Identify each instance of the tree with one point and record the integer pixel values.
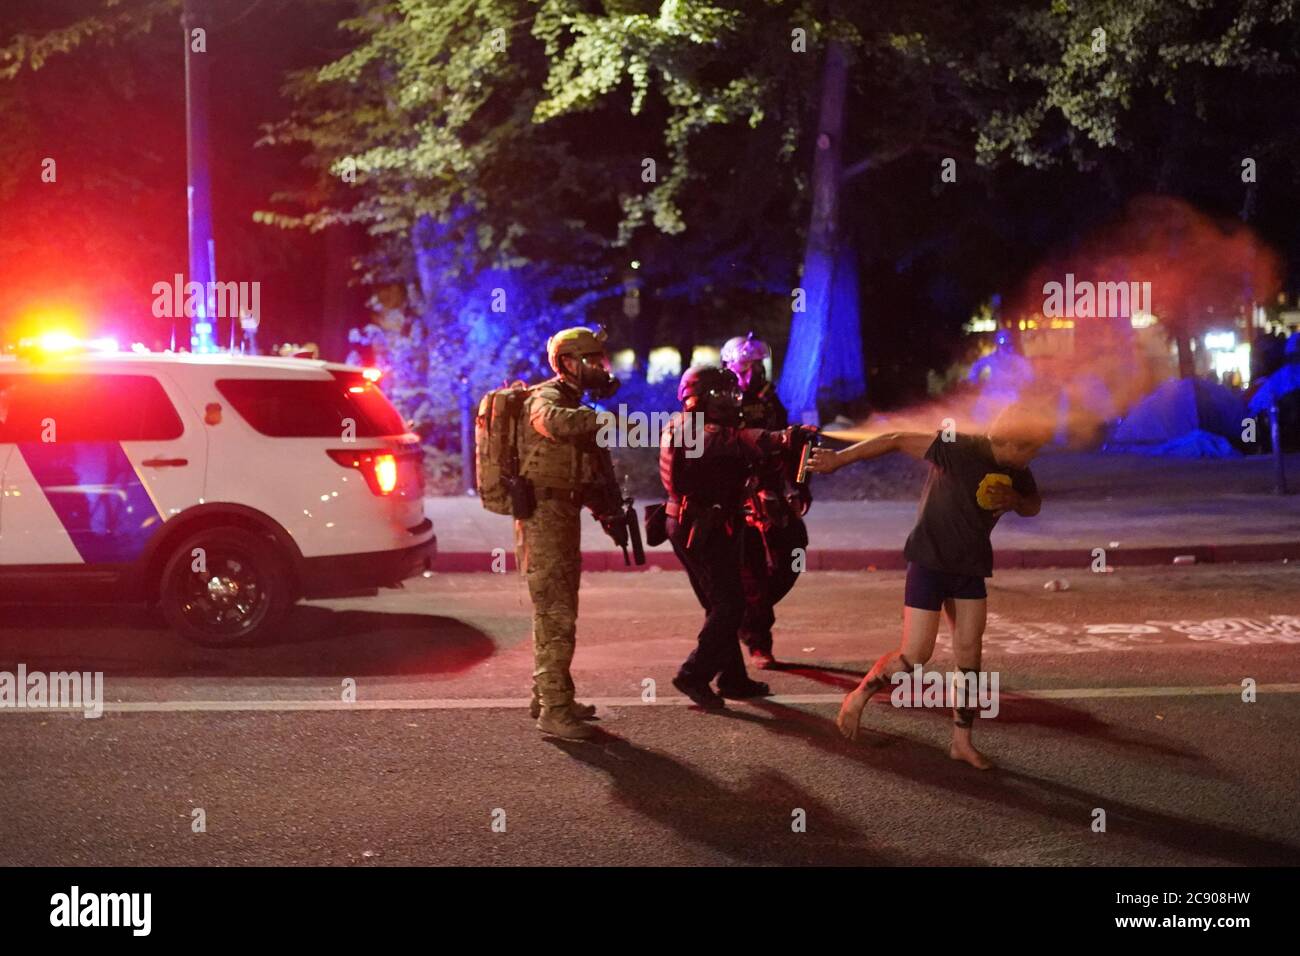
(421, 133)
(688, 135)
(1194, 97)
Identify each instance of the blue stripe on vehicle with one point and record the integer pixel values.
(97, 495)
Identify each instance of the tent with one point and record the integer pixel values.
(1186, 418)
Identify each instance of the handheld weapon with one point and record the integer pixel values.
(622, 524)
(808, 440)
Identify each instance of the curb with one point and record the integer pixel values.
(857, 559)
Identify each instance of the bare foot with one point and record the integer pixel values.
(850, 714)
(965, 750)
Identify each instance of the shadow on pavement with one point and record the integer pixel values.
(842, 678)
(1017, 710)
(1042, 712)
(1005, 788)
(750, 823)
(312, 642)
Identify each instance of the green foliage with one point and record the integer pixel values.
(115, 20)
(500, 143)
(430, 113)
(1089, 74)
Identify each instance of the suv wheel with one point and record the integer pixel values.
(224, 587)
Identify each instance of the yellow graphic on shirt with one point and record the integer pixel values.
(991, 481)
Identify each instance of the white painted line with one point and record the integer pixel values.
(506, 703)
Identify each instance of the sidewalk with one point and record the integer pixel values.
(855, 535)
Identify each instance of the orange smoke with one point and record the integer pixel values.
(1204, 273)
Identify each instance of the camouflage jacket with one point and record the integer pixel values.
(557, 443)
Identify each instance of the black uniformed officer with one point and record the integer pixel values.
(775, 529)
(706, 501)
(760, 407)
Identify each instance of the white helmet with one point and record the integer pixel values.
(745, 349)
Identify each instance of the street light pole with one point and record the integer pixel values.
(1279, 460)
(466, 436)
(199, 184)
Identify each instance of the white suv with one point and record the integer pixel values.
(221, 487)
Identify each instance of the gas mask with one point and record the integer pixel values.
(751, 374)
(721, 406)
(594, 376)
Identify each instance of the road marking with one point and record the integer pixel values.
(505, 703)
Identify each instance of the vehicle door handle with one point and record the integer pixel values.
(165, 462)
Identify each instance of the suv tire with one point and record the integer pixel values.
(241, 590)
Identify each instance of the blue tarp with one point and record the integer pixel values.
(1182, 418)
(1195, 444)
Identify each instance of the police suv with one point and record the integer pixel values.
(222, 488)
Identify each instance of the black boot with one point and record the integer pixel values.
(701, 695)
(743, 689)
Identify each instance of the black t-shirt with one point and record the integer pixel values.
(952, 528)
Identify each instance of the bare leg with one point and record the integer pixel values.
(969, 618)
(920, 628)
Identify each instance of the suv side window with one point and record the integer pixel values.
(86, 408)
(311, 408)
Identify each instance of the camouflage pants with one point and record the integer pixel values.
(548, 548)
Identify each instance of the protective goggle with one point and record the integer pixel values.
(734, 394)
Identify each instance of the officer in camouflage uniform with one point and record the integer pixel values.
(775, 527)
(558, 455)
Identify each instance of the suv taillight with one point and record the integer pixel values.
(379, 468)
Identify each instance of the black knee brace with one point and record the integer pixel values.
(965, 716)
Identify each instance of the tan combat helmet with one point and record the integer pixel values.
(578, 340)
(594, 375)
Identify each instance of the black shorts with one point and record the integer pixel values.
(926, 590)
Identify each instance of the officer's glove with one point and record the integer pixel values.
(796, 435)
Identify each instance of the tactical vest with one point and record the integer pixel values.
(762, 409)
(559, 465)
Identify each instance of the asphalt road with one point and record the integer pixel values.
(1121, 694)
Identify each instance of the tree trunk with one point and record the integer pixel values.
(842, 378)
(339, 311)
(1186, 361)
(812, 332)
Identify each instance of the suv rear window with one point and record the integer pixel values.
(311, 408)
(86, 408)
